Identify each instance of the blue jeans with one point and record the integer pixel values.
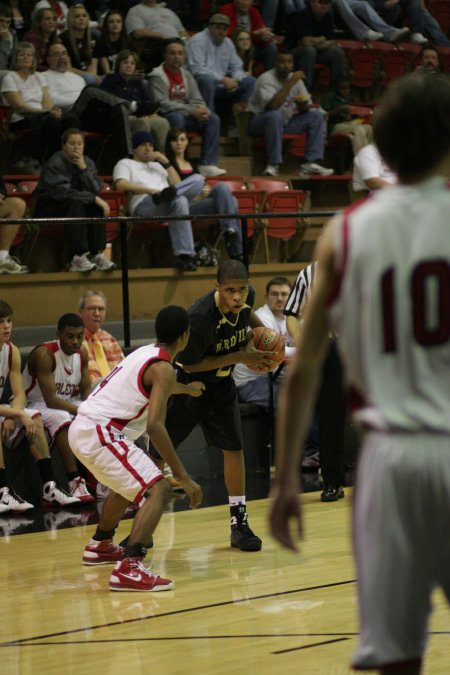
(210, 89)
(220, 200)
(180, 231)
(421, 21)
(270, 125)
(306, 57)
(209, 130)
(359, 16)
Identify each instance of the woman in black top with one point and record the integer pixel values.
(214, 200)
(112, 40)
(127, 83)
(77, 40)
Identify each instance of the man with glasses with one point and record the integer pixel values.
(254, 387)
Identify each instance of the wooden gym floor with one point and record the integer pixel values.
(229, 613)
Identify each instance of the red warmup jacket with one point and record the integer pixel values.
(256, 21)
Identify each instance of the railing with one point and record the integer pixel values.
(123, 221)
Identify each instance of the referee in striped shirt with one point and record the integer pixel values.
(331, 402)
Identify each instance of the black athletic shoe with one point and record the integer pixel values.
(166, 195)
(184, 263)
(243, 537)
(331, 493)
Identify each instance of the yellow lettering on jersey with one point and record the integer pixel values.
(224, 372)
(226, 344)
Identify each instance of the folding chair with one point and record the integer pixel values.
(284, 229)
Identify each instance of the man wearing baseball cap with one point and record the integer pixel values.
(157, 190)
(213, 61)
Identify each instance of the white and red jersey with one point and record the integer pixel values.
(392, 309)
(120, 401)
(66, 372)
(6, 353)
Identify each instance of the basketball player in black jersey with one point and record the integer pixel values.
(218, 340)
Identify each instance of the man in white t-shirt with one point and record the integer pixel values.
(157, 190)
(281, 104)
(253, 387)
(91, 108)
(370, 171)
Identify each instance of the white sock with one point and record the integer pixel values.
(3, 255)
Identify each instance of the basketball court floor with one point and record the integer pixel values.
(230, 612)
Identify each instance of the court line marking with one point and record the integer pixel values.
(224, 603)
(314, 644)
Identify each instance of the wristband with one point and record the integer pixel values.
(166, 166)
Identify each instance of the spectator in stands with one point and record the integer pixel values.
(312, 40)
(78, 42)
(68, 187)
(21, 17)
(213, 200)
(157, 190)
(429, 62)
(87, 107)
(175, 91)
(59, 7)
(17, 421)
(243, 15)
(42, 35)
(113, 39)
(7, 39)
(421, 22)
(191, 18)
(10, 207)
(26, 92)
(219, 72)
(242, 41)
(103, 350)
(370, 172)
(281, 104)
(126, 83)
(56, 380)
(366, 24)
(338, 105)
(252, 386)
(152, 24)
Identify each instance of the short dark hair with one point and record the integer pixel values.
(231, 269)
(172, 41)
(412, 124)
(277, 281)
(428, 47)
(123, 56)
(71, 132)
(5, 310)
(70, 320)
(170, 324)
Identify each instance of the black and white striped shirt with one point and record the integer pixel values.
(301, 290)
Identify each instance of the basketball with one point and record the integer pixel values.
(268, 340)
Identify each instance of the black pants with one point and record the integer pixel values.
(332, 407)
(100, 111)
(81, 238)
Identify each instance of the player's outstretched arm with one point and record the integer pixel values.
(194, 389)
(159, 379)
(297, 399)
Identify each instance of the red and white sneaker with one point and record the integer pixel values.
(102, 552)
(52, 495)
(130, 575)
(78, 488)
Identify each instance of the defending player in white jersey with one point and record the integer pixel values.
(383, 284)
(130, 400)
(56, 379)
(16, 419)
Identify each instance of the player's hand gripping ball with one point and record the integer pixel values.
(268, 340)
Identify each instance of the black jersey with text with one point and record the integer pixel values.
(214, 334)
